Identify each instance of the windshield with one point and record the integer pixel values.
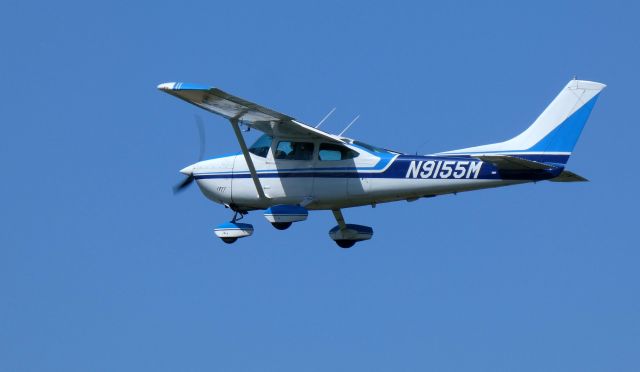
(261, 146)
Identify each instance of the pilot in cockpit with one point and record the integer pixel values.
(301, 151)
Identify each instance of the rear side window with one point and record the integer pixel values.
(288, 150)
(330, 152)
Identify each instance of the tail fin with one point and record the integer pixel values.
(556, 130)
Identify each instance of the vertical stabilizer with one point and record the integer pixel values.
(557, 129)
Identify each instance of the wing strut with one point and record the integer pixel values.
(247, 158)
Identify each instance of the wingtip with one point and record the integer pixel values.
(183, 86)
(166, 86)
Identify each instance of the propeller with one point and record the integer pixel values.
(189, 179)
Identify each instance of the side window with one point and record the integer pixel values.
(288, 150)
(261, 146)
(330, 151)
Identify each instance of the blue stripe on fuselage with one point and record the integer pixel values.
(400, 168)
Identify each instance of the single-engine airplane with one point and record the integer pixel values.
(294, 167)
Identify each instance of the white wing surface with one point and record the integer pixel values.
(231, 107)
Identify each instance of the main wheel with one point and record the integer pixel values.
(345, 243)
(229, 240)
(282, 225)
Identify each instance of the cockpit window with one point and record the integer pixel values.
(330, 151)
(261, 146)
(288, 150)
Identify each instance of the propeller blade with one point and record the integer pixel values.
(182, 185)
(187, 181)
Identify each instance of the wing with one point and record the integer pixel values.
(231, 107)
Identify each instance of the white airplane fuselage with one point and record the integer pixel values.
(372, 177)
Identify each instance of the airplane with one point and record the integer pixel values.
(295, 167)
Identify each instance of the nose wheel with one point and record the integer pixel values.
(230, 232)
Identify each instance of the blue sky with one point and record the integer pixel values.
(103, 269)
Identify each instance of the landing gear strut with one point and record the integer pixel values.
(237, 212)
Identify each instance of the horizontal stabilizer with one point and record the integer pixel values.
(512, 163)
(567, 176)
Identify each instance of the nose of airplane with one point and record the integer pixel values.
(188, 170)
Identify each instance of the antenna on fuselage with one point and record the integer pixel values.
(348, 126)
(325, 118)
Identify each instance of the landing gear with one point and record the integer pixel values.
(282, 216)
(282, 225)
(346, 235)
(345, 243)
(231, 231)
